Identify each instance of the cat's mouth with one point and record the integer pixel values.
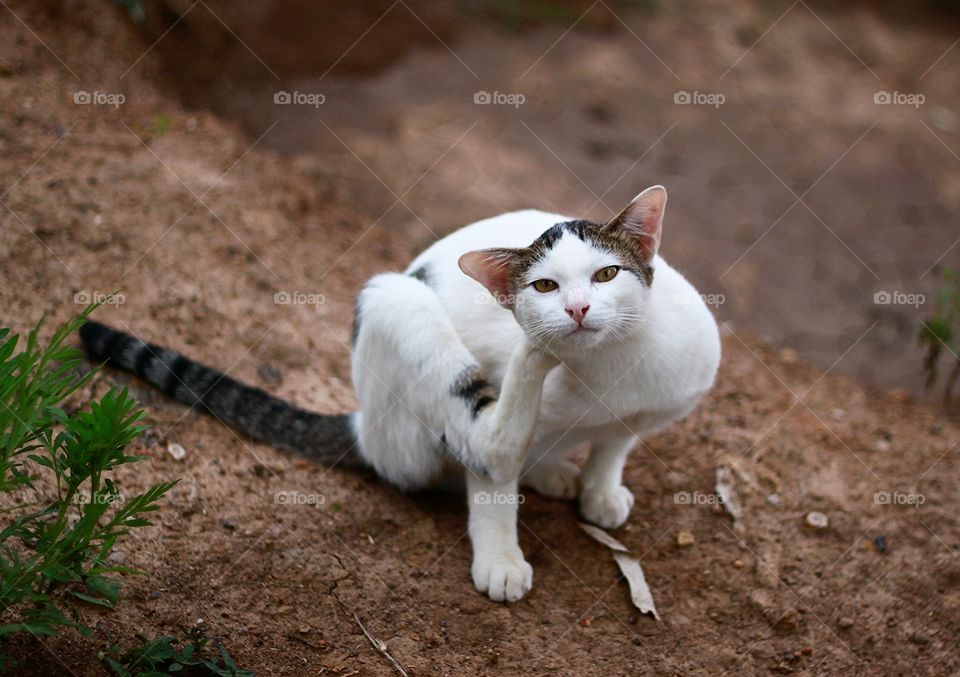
(582, 329)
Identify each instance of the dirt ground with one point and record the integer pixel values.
(199, 224)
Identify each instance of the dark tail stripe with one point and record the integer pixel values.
(249, 410)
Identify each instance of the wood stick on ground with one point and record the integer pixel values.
(380, 646)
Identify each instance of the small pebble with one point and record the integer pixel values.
(685, 539)
(775, 500)
(228, 523)
(738, 563)
(817, 520)
(880, 544)
(304, 629)
(176, 451)
(788, 355)
(918, 639)
(118, 556)
(845, 623)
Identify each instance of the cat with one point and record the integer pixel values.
(502, 348)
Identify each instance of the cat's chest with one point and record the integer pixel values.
(597, 394)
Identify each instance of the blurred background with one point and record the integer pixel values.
(226, 174)
(810, 150)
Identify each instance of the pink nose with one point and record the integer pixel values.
(577, 312)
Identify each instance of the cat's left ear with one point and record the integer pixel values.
(641, 221)
(493, 268)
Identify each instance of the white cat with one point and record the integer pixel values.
(504, 346)
(510, 342)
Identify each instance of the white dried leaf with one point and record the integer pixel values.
(602, 536)
(728, 496)
(630, 568)
(639, 590)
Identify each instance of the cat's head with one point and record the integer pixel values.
(579, 283)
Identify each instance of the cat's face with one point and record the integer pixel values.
(579, 293)
(580, 283)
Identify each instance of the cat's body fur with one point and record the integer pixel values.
(643, 382)
(505, 386)
(640, 383)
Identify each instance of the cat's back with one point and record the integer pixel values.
(487, 329)
(511, 229)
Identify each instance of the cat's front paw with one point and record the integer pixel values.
(606, 508)
(554, 479)
(502, 577)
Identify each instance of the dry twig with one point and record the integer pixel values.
(380, 646)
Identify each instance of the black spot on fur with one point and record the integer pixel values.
(423, 274)
(546, 241)
(472, 387)
(580, 228)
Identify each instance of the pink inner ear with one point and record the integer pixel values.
(642, 220)
(492, 269)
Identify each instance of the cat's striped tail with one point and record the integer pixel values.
(326, 438)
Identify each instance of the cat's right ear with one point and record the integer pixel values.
(493, 268)
(642, 221)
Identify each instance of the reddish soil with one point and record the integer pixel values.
(198, 226)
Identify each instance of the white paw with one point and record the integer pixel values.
(502, 577)
(606, 508)
(556, 479)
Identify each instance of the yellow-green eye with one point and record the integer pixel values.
(606, 274)
(543, 286)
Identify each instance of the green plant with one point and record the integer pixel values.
(54, 550)
(940, 333)
(163, 657)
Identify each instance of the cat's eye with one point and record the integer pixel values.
(606, 274)
(543, 286)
